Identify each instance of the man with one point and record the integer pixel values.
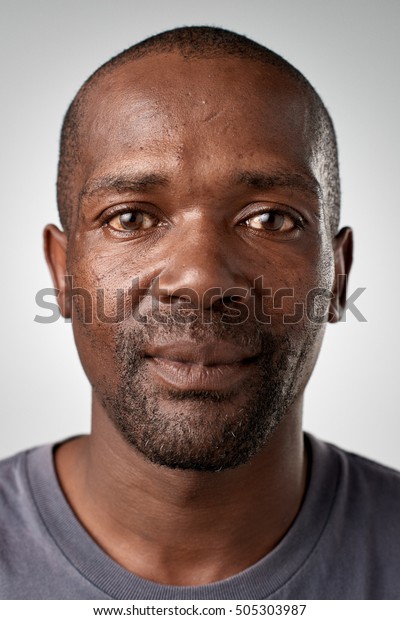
(200, 260)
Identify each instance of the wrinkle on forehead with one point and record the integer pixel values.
(168, 79)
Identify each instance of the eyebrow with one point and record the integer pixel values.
(258, 180)
(123, 183)
(280, 179)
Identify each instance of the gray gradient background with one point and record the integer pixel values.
(349, 50)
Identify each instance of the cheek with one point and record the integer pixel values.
(316, 285)
(108, 279)
(300, 289)
(98, 293)
(95, 345)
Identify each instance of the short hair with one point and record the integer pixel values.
(202, 42)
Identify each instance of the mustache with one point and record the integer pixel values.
(163, 328)
(185, 312)
(133, 340)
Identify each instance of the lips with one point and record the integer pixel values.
(216, 366)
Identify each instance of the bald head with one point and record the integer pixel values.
(193, 43)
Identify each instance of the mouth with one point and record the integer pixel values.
(189, 366)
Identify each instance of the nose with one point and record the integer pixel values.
(203, 268)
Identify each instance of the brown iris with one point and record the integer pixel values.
(133, 220)
(271, 221)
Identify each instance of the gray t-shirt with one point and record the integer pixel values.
(344, 543)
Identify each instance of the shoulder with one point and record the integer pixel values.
(13, 470)
(365, 473)
(24, 540)
(19, 517)
(352, 464)
(16, 499)
(349, 525)
(13, 479)
(367, 493)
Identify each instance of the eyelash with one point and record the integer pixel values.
(298, 220)
(120, 210)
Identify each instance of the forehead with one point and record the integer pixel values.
(170, 111)
(185, 88)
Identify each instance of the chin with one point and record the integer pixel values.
(198, 431)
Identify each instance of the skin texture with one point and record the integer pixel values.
(195, 467)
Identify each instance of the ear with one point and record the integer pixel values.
(55, 249)
(343, 253)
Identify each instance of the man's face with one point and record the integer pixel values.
(197, 200)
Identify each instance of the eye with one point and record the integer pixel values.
(272, 221)
(133, 220)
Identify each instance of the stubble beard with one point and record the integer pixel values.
(202, 430)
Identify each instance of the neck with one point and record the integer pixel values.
(183, 527)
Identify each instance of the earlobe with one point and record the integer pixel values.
(343, 253)
(55, 249)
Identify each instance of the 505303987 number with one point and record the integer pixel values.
(270, 610)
